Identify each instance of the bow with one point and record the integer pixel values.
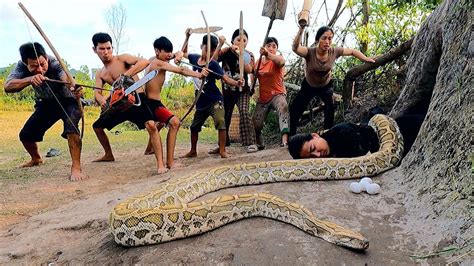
(63, 66)
(203, 80)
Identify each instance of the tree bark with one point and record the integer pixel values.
(440, 78)
(336, 14)
(366, 67)
(365, 20)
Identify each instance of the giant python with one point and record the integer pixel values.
(170, 212)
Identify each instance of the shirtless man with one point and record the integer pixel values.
(114, 66)
(163, 53)
(54, 101)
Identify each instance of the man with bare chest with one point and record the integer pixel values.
(160, 114)
(114, 66)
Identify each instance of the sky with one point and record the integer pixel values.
(70, 24)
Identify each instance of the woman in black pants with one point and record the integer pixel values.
(319, 63)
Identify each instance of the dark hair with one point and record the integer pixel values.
(270, 40)
(237, 33)
(163, 43)
(213, 42)
(321, 31)
(31, 51)
(296, 142)
(101, 37)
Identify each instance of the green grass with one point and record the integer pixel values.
(122, 137)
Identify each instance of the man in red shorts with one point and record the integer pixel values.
(164, 52)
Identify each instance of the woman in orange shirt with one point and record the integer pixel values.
(272, 91)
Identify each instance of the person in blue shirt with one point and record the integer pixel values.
(210, 102)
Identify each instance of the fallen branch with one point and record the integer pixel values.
(357, 71)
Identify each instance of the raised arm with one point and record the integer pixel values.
(297, 48)
(184, 48)
(138, 64)
(357, 54)
(277, 59)
(217, 52)
(159, 64)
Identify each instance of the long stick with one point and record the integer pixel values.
(260, 58)
(76, 85)
(241, 47)
(203, 80)
(56, 54)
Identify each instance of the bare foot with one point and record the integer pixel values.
(33, 162)
(77, 175)
(224, 155)
(176, 165)
(105, 158)
(161, 171)
(190, 154)
(149, 151)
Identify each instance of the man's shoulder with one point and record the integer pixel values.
(54, 65)
(155, 62)
(19, 71)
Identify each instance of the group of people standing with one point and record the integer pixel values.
(56, 101)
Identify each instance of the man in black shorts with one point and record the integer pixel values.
(114, 67)
(54, 101)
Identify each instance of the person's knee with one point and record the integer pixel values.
(25, 136)
(76, 138)
(220, 124)
(150, 126)
(174, 123)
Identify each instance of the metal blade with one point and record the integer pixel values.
(204, 29)
(274, 9)
(141, 82)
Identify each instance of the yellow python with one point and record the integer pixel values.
(169, 213)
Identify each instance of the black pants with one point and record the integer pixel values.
(46, 114)
(302, 99)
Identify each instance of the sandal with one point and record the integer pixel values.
(252, 148)
(53, 152)
(214, 150)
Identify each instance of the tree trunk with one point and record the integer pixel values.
(438, 168)
(336, 15)
(365, 20)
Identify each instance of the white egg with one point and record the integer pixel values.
(372, 188)
(367, 179)
(363, 184)
(355, 187)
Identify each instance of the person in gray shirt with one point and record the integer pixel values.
(54, 101)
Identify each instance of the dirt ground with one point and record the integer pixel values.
(52, 220)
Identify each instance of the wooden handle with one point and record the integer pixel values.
(303, 16)
(241, 47)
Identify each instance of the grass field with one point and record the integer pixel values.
(122, 137)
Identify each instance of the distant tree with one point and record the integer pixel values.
(116, 17)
